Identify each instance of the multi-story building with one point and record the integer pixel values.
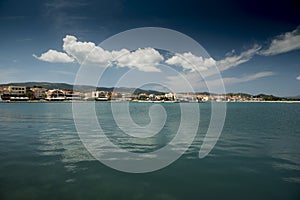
(17, 90)
(14, 93)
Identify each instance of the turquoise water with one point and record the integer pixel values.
(256, 157)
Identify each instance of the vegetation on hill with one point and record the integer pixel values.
(86, 88)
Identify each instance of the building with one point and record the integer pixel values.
(14, 93)
(100, 95)
(17, 90)
(3, 89)
(39, 93)
(143, 97)
(56, 95)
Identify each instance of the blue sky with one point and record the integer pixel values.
(255, 44)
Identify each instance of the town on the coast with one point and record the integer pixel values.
(17, 93)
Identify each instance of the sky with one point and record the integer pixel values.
(250, 46)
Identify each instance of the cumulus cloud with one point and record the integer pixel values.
(298, 78)
(86, 52)
(55, 56)
(143, 59)
(284, 43)
(146, 59)
(189, 61)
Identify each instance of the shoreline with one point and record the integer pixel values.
(83, 101)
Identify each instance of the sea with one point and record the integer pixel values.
(257, 155)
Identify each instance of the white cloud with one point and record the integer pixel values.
(208, 66)
(284, 43)
(86, 52)
(143, 59)
(68, 73)
(146, 59)
(184, 82)
(213, 84)
(298, 78)
(251, 77)
(189, 61)
(55, 56)
(235, 60)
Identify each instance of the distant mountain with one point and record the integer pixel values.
(294, 97)
(85, 88)
(81, 88)
(47, 85)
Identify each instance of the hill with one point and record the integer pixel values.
(294, 97)
(82, 88)
(86, 88)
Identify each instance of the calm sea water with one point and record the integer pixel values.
(256, 157)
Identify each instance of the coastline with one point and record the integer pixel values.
(82, 101)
